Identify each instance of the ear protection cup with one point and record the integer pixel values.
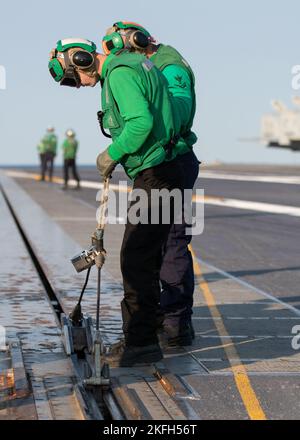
(56, 69)
(112, 43)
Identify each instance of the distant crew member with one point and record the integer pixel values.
(70, 148)
(41, 151)
(49, 142)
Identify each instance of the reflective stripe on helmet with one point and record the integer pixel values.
(68, 43)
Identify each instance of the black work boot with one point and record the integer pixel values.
(177, 336)
(122, 355)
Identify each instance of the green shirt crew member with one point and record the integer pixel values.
(137, 110)
(70, 145)
(70, 148)
(177, 71)
(181, 83)
(50, 143)
(48, 148)
(177, 273)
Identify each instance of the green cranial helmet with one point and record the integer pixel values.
(131, 25)
(138, 37)
(69, 43)
(82, 59)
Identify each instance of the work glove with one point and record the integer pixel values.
(105, 164)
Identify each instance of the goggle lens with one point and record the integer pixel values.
(83, 59)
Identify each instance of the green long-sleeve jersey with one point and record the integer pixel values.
(129, 92)
(50, 143)
(70, 148)
(181, 83)
(180, 86)
(137, 111)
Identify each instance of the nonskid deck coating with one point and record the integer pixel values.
(27, 316)
(207, 358)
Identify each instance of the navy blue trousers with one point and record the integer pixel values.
(141, 257)
(177, 273)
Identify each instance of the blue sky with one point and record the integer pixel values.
(242, 54)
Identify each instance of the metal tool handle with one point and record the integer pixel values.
(103, 206)
(98, 299)
(99, 234)
(99, 379)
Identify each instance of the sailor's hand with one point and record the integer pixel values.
(106, 164)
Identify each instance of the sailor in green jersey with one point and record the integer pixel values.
(177, 275)
(70, 148)
(49, 143)
(137, 110)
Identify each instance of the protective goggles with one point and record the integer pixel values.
(79, 59)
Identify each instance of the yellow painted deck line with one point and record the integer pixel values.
(241, 378)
